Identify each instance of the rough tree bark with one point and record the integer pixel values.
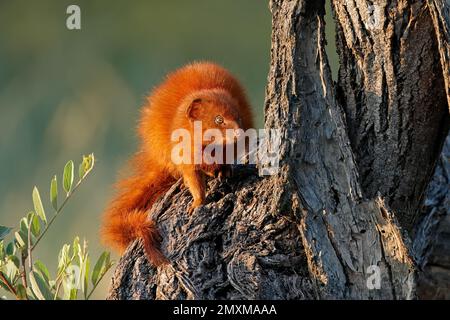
(393, 92)
(316, 228)
(394, 87)
(431, 243)
(440, 13)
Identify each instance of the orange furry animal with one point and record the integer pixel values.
(202, 92)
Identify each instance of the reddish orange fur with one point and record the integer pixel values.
(167, 109)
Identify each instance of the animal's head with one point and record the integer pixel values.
(215, 109)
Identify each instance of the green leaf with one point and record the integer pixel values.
(30, 294)
(21, 292)
(69, 292)
(39, 266)
(2, 251)
(63, 258)
(68, 176)
(10, 249)
(86, 165)
(40, 287)
(4, 287)
(38, 208)
(12, 271)
(100, 267)
(24, 225)
(73, 294)
(4, 231)
(71, 282)
(15, 260)
(54, 193)
(76, 248)
(21, 240)
(29, 217)
(85, 275)
(35, 225)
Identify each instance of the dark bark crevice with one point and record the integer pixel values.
(440, 14)
(432, 237)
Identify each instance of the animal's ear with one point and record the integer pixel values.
(193, 110)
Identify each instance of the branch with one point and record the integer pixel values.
(8, 285)
(231, 248)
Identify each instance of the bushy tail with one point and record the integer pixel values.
(120, 231)
(127, 219)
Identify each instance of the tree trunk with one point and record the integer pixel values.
(394, 95)
(324, 226)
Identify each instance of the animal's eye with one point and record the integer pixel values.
(218, 119)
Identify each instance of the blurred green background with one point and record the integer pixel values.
(66, 93)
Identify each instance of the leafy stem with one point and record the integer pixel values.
(69, 195)
(30, 257)
(25, 278)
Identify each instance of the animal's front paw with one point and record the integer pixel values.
(194, 206)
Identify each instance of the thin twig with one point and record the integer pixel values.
(98, 281)
(23, 273)
(58, 286)
(30, 259)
